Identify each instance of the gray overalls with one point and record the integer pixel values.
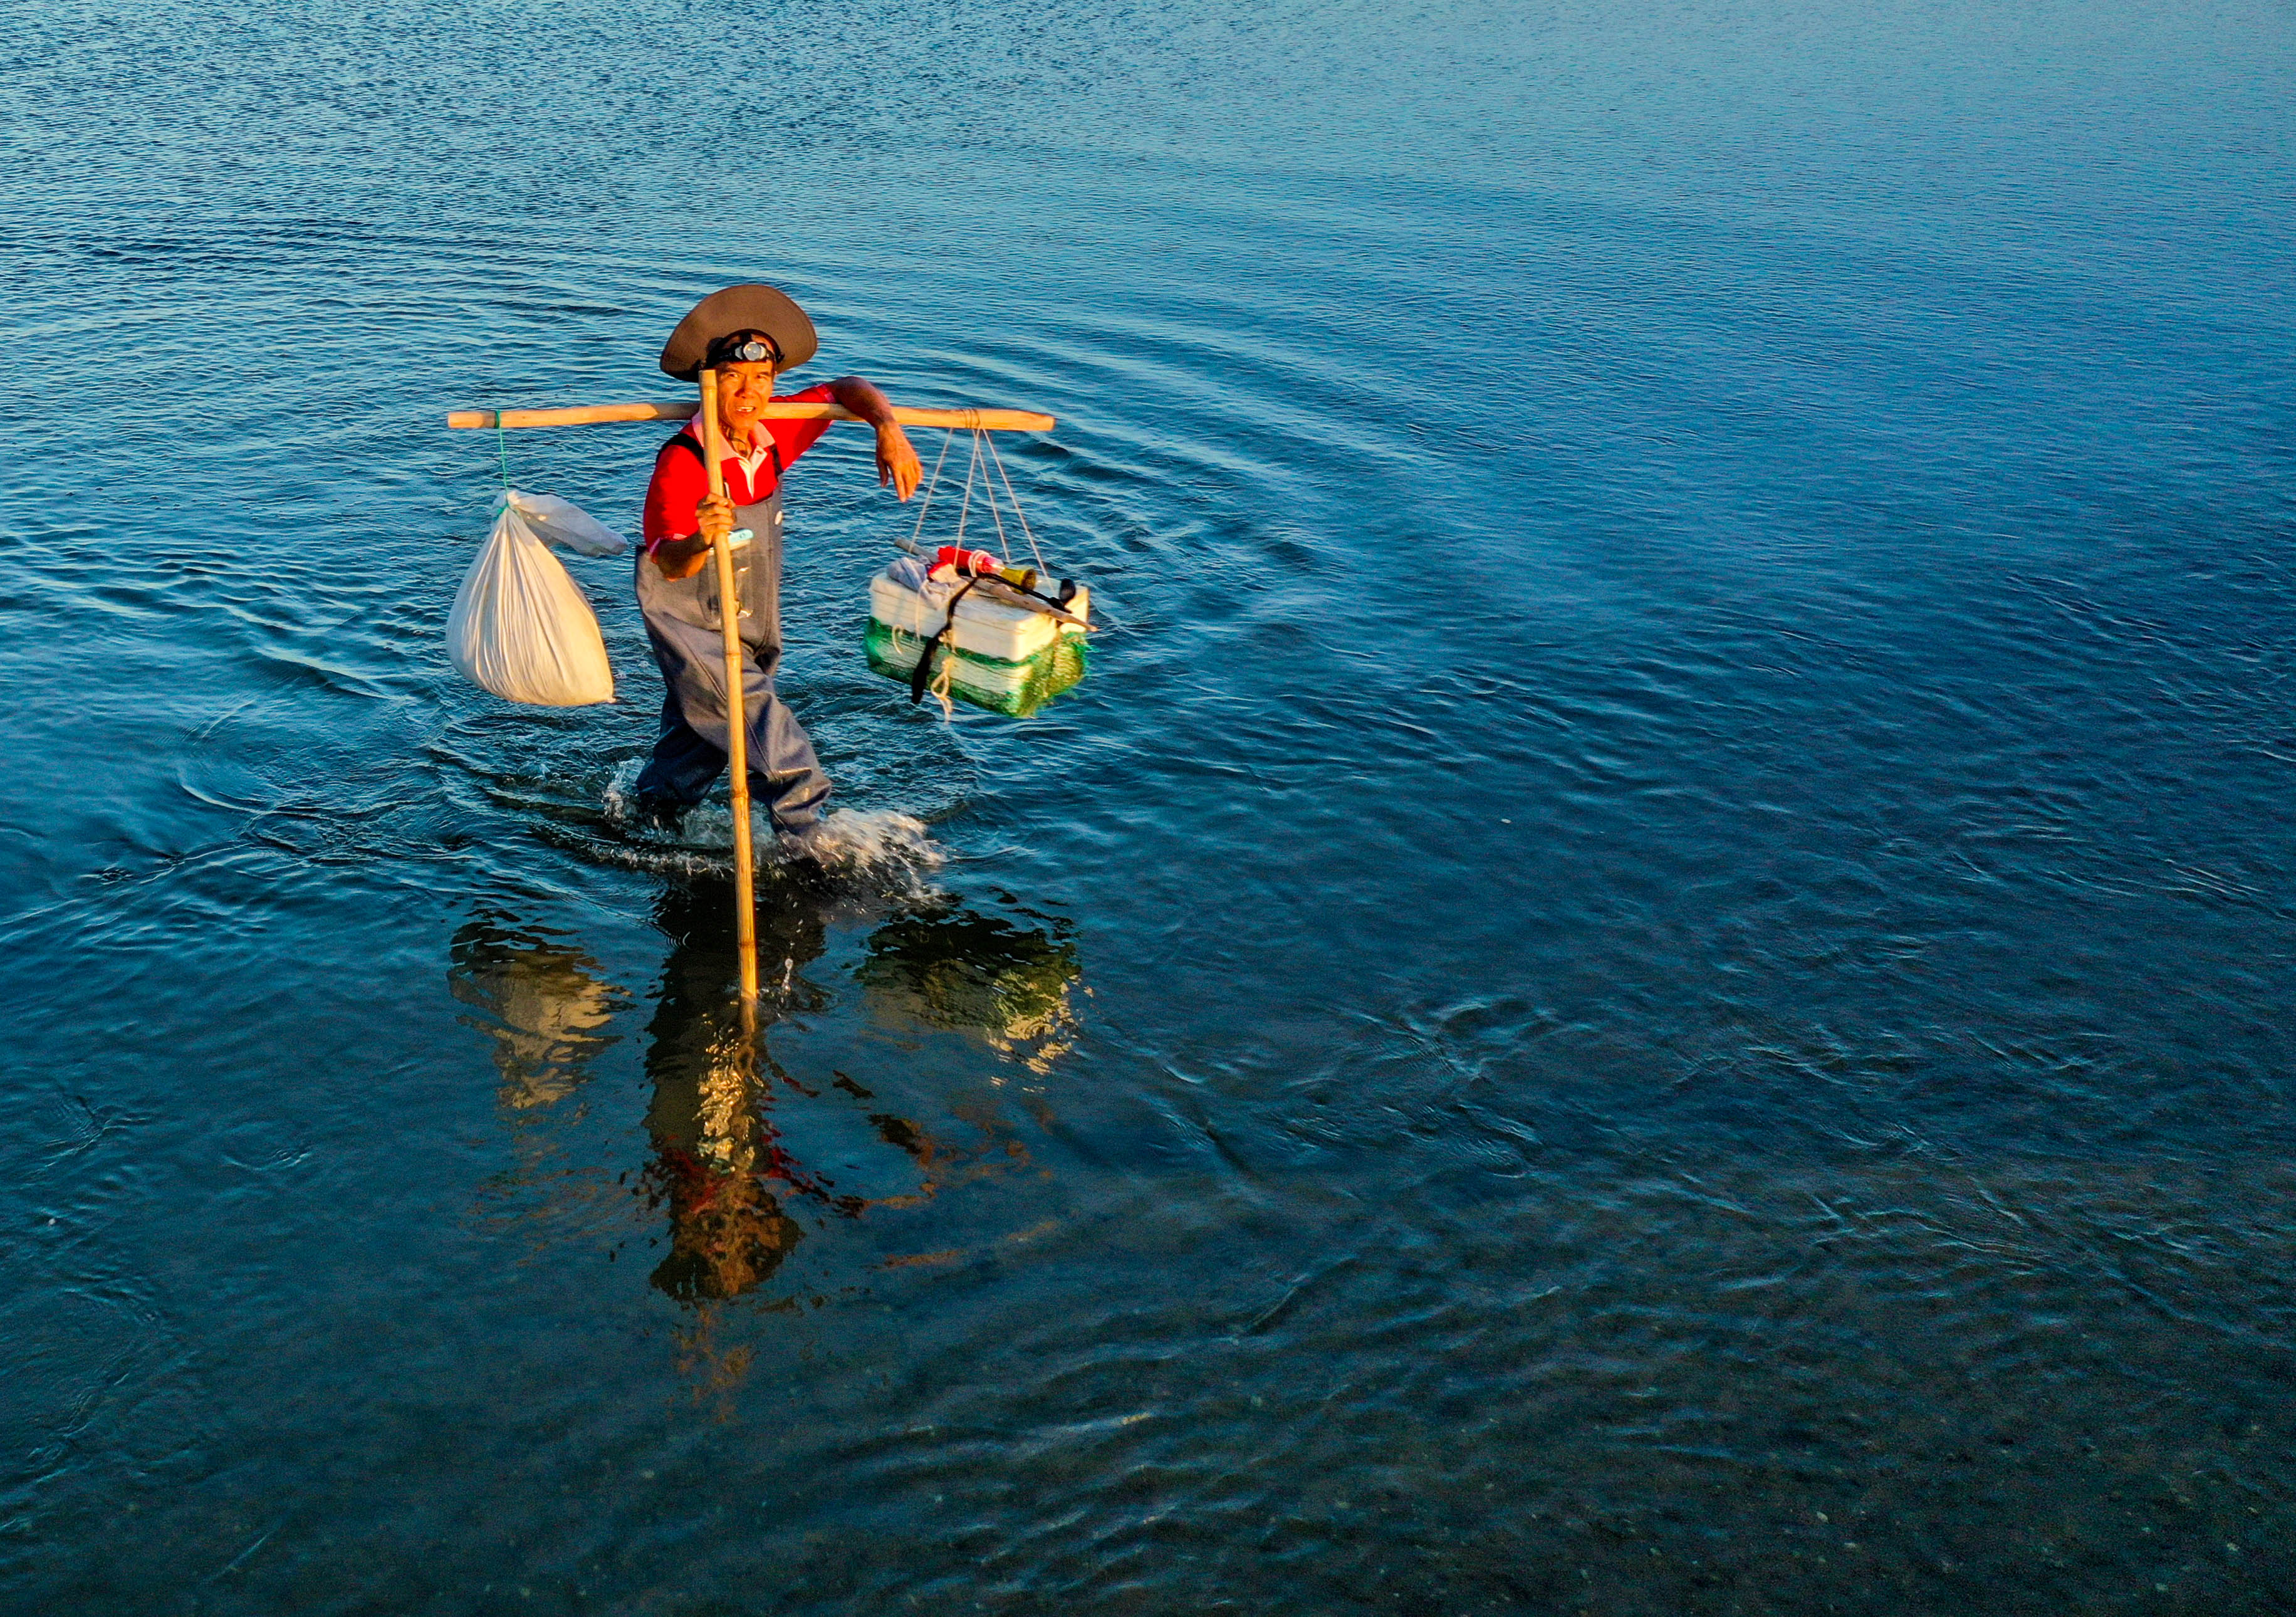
(683, 625)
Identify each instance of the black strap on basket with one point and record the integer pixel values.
(921, 675)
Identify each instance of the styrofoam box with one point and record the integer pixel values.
(984, 628)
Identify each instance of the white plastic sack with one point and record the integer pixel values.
(523, 628)
(565, 524)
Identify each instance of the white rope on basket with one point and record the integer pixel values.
(998, 461)
(964, 511)
(988, 469)
(1004, 549)
(941, 683)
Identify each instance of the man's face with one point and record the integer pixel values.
(744, 388)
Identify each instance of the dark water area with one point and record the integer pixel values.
(1651, 976)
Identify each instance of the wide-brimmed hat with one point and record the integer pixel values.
(740, 309)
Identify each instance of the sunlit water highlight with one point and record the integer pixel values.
(1650, 977)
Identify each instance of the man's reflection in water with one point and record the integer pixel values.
(717, 1162)
(714, 1149)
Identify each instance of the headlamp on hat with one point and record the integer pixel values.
(750, 347)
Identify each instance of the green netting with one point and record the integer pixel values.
(1015, 688)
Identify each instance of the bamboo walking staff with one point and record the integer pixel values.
(737, 724)
(583, 415)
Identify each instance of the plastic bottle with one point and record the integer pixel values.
(966, 560)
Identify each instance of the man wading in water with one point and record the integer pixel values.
(746, 335)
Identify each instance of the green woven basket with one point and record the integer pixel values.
(1015, 688)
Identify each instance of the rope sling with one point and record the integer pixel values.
(985, 466)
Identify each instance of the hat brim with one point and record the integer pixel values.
(739, 308)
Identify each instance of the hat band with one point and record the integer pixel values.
(748, 347)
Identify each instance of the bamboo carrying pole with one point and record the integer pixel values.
(583, 415)
(737, 728)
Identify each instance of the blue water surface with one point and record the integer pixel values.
(1650, 977)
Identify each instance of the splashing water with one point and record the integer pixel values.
(895, 848)
(880, 841)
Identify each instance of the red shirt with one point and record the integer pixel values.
(680, 484)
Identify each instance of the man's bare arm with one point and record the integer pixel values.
(682, 558)
(896, 461)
